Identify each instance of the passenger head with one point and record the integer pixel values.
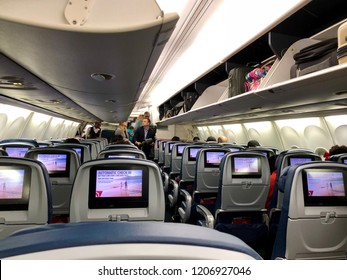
(147, 115)
(196, 139)
(252, 144)
(222, 139)
(123, 124)
(146, 122)
(335, 150)
(175, 138)
(71, 140)
(97, 124)
(211, 139)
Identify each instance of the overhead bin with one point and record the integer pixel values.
(100, 53)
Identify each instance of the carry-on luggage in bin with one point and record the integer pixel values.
(237, 80)
(315, 57)
(342, 43)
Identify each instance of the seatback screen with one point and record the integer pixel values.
(118, 186)
(246, 166)
(16, 151)
(192, 153)
(14, 187)
(213, 158)
(57, 164)
(325, 187)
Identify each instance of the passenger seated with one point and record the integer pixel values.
(222, 139)
(211, 139)
(335, 150)
(253, 144)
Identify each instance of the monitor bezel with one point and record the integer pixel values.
(16, 146)
(57, 173)
(190, 158)
(118, 202)
(236, 174)
(299, 156)
(171, 147)
(212, 165)
(17, 204)
(319, 201)
(177, 152)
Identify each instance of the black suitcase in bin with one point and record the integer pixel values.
(237, 80)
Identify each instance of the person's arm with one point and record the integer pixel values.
(137, 137)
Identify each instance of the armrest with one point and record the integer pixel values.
(185, 207)
(173, 175)
(208, 217)
(173, 193)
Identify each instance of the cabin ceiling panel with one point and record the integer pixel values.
(18, 84)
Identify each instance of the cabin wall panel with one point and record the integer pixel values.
(338, 129)
(235, 133)
(305, 132)
(265, 133)
(36, 126)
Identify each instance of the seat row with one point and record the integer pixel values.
(228, 190)
(115, 212)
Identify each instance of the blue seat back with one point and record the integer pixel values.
(126, 153)
(314, 212)
(25, 194)
(117, 189)
(62, 165)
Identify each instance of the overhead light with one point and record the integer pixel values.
(11, 82)
(101, 77)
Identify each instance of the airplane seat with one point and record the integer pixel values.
(81, 149)
(62, 165)
(44, 143)
(187, 176)
(125, 153)
(120, 146)
(240, 204)
(205, 184)
(16, 148)
(95, 142)
(314, 212)
(92, 147)
(167, 156)
(161, 150)
(124, 241)
(176, 159)
(286, 158)
(269, 153)
(233, 147)
(25, 195)
(341, 158)
(117, 189)
(156, 150)
(32, 142)
(3, 152)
